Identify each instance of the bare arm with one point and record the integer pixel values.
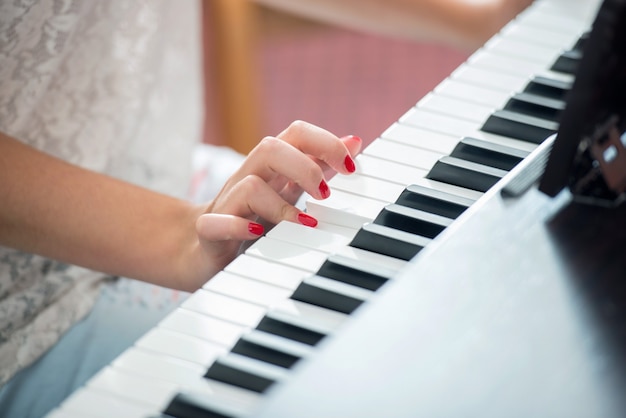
(61, 211)
(464, 23)
(67, 213)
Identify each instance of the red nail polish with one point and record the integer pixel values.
(307, 220)
(324, 190)
(256, 229)
(349, 163)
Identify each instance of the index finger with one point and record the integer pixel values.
(319, 144)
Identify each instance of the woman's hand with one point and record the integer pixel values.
(266, 186)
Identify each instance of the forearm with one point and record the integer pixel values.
(464, 23)
(58, 210)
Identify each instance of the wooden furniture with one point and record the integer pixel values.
(229, 30)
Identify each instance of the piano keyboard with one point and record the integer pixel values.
(242, 333)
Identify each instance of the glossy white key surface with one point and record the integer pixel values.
(315, 238)
(95, 404)
(310, 316)
(203, 326)
(367, 186)
(456, 107)
(345, 209)
(248, 290)
(403, 154)
(269, 272)
(224, 307)
(287, 253)
(401, 174)
(182, 346)
(421, 137)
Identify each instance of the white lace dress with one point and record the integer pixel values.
(113, 86)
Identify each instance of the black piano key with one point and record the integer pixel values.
(568, 62)
(488, 153)
(188, 405)
(290, 331)
(536, 106)
(388, 241)
(350, 271)
(330, 294)
(581, 42)
(268, 348)
(433, 201)
(518, 126)
(465, 174)
(548, 87)
(244, 372)
(412, 220)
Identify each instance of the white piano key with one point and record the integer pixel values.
(155, 393)
(557, 17)
(387, 265)
(367, 186)
(247, 290)
(93, 404)
(155, 365)
(336, 229)
(202, 326)
(182, 346)
(309, 316)
(388, 170)
(503, 140)
(491, 79)
(420, 137)
(438, 122)
(449, 188)
(525, 50)
(267, 271)
(508, 65)
(453, 126)
(58, 413)
(461, 109)
(278, 343)
(472, 93)
(288, 254)
(564, 15)
(315, 238)
(403, 154)
(539, 35)
(224, 307)
(345, 209)
(187, 376)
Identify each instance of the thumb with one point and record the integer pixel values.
(218, 227)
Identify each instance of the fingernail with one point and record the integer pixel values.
(307, 220)
(256, 229)
(349, 163)
(324, 190)
(352, 138)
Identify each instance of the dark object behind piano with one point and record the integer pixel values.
(589, 153)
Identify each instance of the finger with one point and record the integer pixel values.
(253, 197)
(279, 163)
(218, 227)
(320, 144)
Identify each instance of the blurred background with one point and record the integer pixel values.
(269, 68)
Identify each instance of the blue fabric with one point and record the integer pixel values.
(124, 311)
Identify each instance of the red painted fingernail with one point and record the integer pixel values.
(324, 190)
(349, 163)
(256, 229)
(307, 220)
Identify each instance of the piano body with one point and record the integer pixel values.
(425, 290)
